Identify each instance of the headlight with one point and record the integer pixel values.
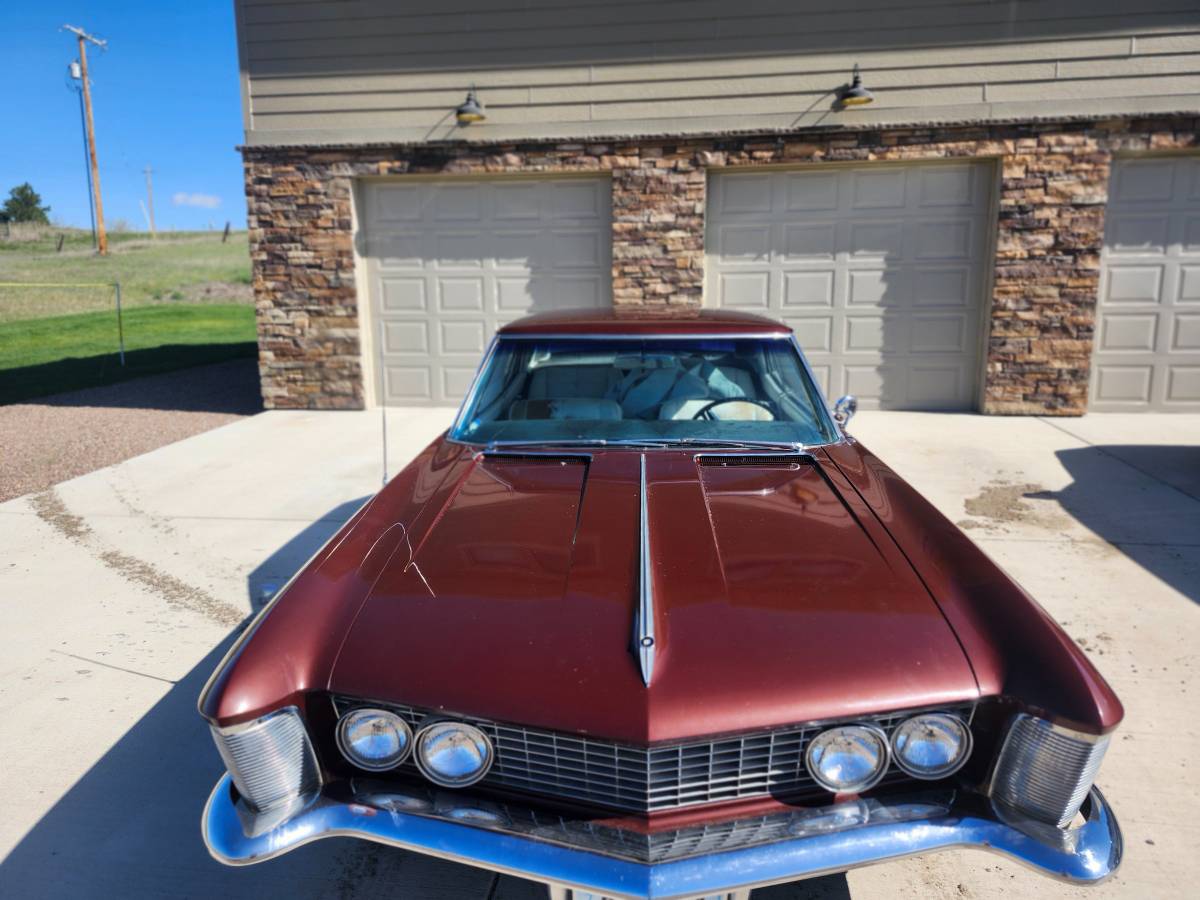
(931, 746)
(453, 754)
(374, 739)
(849, 759)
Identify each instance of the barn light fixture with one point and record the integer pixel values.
(856, 94)
(471, 110)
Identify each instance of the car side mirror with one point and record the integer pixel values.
(844, 409)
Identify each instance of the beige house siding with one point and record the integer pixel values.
(349, 71)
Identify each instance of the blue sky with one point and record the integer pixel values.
(164, 94)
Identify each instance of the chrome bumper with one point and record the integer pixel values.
(806, 843)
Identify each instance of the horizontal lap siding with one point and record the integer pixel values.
(365, 70)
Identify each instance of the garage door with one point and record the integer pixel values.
(879, 269)
(447, 262)
(1148, 322)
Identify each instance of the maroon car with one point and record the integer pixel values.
(646, 622)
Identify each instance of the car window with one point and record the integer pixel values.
(658, 389)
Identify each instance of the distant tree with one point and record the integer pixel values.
(24, 204)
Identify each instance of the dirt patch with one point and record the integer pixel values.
(1003, 502)
(215, 292)
(170, 588)
(50, 508)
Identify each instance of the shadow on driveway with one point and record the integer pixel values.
(130, 827)
(1148, 508)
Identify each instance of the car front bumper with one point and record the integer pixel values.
(606, 860)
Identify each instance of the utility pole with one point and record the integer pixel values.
(84, 40)
(150, 199)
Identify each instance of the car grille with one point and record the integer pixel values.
(649, 779)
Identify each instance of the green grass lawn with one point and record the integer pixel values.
(188, 266)
(61, 353)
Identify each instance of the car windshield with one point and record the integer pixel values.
(619, 389)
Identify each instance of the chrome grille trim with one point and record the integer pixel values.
(271, 760)
(1045, 771)
(650, 779)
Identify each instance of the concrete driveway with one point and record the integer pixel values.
(120, 591)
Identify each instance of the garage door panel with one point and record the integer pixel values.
(801, 289)
(459, 294)
(1187, 333)
(945, 187)
(1124, 384)
(1143, 181)
(462, 337)
(397, 250)
(876, 239)
(1183, 385)
(1137, 234)
(815, 242)
(812, 191)
(1189, 284)
(397, 204)
(1148, 315)
(748, 194)
(448, 263)
(576, 249)
(516, 201)
(1191, 234)
(1129, 331)
(411, 383)
(406, 337)
(878, 270)
(942, 287)
(403, 295)
(814, 335)
(942, 386)
(877, 287)
(746, 290)
(946, 333)
(863, 334)
(1134, 284)
(744, 243)
(951, 239)
(878, 188)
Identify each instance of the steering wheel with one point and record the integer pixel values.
(705, 412)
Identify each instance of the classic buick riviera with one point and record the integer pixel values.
(646, 622)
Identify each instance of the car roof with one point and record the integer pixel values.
(646, 322)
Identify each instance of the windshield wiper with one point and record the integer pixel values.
(740, 444)
(576, 442)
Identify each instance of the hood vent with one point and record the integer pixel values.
(756, 460)
(524, 458)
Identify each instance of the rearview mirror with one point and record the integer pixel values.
(844, 409)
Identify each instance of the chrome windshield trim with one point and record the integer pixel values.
(467, 830)
(643, 631)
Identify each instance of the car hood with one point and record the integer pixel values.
(778, 598)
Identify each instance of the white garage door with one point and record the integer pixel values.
(879, 269)
(1148, 318)
(449, 261)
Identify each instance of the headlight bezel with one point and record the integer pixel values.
(857, 787)
(418, 756)
(344, 745)
(966, 746)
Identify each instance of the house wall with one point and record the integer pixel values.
(352, 71)
(1049, 233)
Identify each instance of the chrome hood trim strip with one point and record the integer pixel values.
(643, 632)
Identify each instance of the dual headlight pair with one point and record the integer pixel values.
(450, 754)
(850, 759)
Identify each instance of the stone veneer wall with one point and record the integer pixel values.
(1049, 230)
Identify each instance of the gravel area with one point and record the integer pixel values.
(56, 438)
